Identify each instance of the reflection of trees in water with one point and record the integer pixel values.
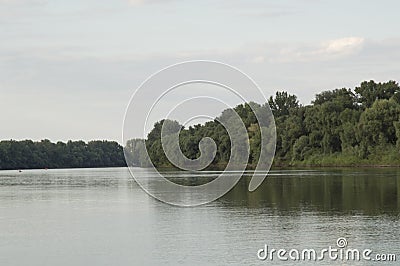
(343, 191)
(194, 180)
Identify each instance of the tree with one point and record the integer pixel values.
(339, 99)
(370, 91)
(377, 124)
(283, 103)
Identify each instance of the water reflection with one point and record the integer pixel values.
(364, 191)
(332, 191)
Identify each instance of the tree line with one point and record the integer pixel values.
(340, 127)
(28, 154)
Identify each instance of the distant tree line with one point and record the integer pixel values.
(28, 154)
(340, 127)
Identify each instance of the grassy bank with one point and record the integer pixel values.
(381, 159)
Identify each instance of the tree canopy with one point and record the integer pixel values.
(340, 127)
(27, 154)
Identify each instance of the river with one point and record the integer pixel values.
(102, 217)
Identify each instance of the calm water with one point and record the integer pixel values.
(101, 217)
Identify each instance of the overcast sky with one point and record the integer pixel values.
(69, 67)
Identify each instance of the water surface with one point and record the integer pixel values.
(101, 217)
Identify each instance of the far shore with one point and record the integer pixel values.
(220, 167)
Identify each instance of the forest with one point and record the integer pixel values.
(341, 127)
(27, 154)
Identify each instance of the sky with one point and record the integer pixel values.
(69, 68)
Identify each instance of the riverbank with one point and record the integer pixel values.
(389, 159)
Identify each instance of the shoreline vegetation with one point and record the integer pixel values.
(27, 154)
(340, 128)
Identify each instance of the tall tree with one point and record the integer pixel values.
(283, 103)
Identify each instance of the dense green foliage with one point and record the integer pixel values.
(189, 139)
(340, 127)
(73, 154)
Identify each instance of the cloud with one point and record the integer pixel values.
(271, 13)
(22, 2)
(144, 2)
(335, 49)
(137, 2)
(348, 45)
(258, 59)
(322, 51)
